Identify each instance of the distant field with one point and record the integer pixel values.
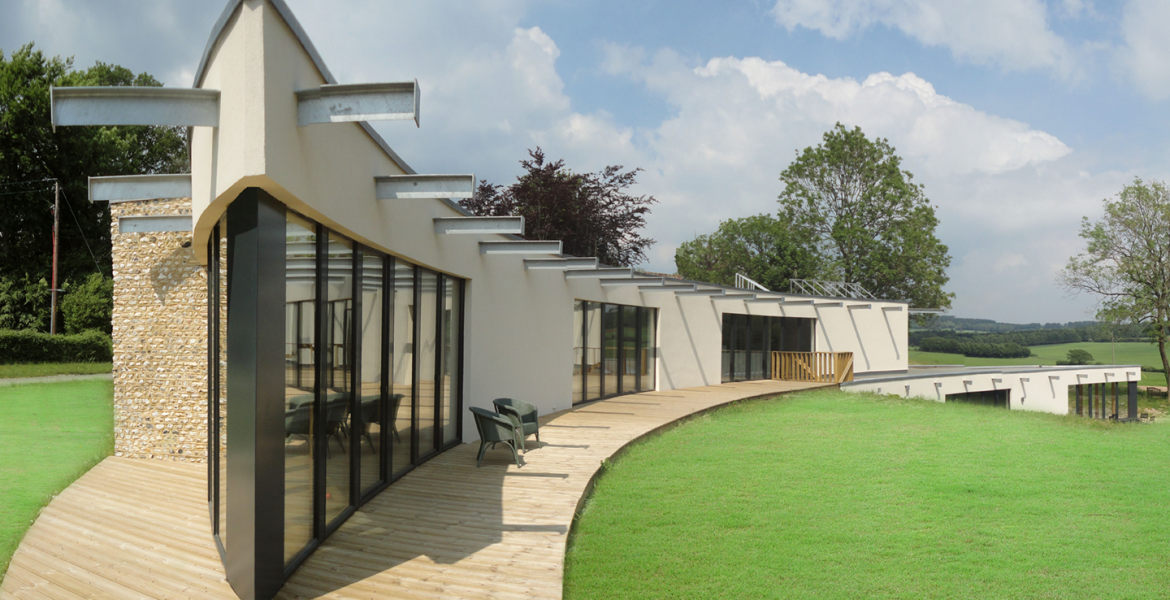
(1128, 353)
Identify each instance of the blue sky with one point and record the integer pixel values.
(1018, 116)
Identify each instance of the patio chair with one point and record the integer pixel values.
(371, 415)
(336, 415)
(297, 416)
(523, 416)
(493, 429)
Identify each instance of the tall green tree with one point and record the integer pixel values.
(761, 247)
(1126, 262)
(591, 213)
(31, 153)
(866, 219)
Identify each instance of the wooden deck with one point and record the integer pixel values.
(133, 528)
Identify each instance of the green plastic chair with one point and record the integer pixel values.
(523, 416)
(493, 429)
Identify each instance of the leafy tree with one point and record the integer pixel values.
(1077, 356)
(589, 212)
(1126, 263)
(24, 303)
(31, 152)
(761, 247)
(89, 305)
(865, 218)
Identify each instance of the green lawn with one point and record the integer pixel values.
(46, 369)
(50, 434)
(1128, 353)
(835, 495)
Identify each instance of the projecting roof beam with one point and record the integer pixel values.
(861, 306)
(700, 293)
(668, 287)
(829, 304)
(392, 187)
(795, 302)
(347, 103)
(134, 105)
(765, 300)
(598, 273)
(632, 281)
(736, 295)
(479, 225)
(892, 308)
(125, 188)
(520, 247)
(154, 224)
(559, 264)
(927, 311)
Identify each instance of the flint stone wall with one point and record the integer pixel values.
(160, 339)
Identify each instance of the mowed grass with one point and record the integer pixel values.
(1128, 353)
(48, 369)
(836, 495)
(50, 434)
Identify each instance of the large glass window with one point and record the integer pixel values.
(337, 394)
(578, 351)
(613, 350)
(750, 340)
(300, 295)
(427, 295)
(647, 334)
(593, 362)
(402, 367)
(449, 357)
(372, 393)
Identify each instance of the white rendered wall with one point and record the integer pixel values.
(1041, 389)
(519, 334)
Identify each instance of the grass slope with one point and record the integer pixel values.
(50, 434)
(835, 495)
(47, 369)
(1128, 353)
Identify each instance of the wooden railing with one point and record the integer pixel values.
(822, 367)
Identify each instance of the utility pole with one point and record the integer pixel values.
(56, 224)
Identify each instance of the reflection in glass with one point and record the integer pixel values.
(728, 342)
(740, 327)
(578, 351)
(758, 339)
(372, 394)
(401, 365)
(593, 351)
(629, 349)
(426, 356)
(338, 389)
(611, 327)
(299, 293)
(452, 292)
(647, 324)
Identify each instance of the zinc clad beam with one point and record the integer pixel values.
(348, 103)
(125, 188)
(393, 187)
(134, 105)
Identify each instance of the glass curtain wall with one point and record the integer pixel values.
(427, 293)
(366, 339)
(372, 389)
(402, 367)
(338, 393)
(749, 340)
(452, 331)
(614, 350)
(300, 294)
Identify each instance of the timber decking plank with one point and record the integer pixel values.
(138, 528)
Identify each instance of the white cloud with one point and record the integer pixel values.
(1013, 34)
(1145, 55)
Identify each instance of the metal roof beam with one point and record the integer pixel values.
(154, 224)
(479, 225)
(347, 103)
(598, 273)
(134, 105)
(559, 264)
(125, 188)
(632, 281)
(668, 287)
(520, 247)
(392, 187)
(701, 293)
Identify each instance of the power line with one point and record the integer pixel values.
(79, 228)
(26, 182)
(25, 192)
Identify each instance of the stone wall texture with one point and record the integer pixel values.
(160, 339)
